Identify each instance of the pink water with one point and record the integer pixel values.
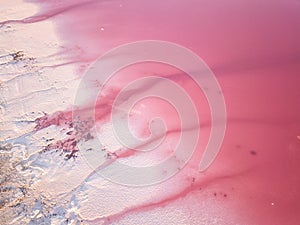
(253, 48)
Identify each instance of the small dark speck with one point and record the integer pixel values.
(225, 195)
(215, 194)
(17, 55)
(253, 152)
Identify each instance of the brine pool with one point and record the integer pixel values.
(150, 112)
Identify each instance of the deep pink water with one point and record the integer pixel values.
(252, 47)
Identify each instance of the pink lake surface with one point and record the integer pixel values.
(253, 49)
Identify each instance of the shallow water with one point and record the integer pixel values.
(251, 47)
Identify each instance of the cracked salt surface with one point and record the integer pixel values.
(29, 88)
